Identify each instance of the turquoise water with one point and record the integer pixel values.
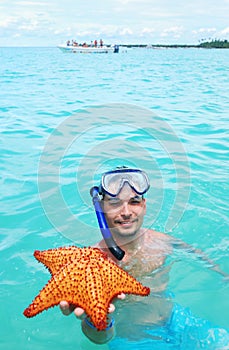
(53, 102)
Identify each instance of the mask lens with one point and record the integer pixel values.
(138, 182)
(112, 182)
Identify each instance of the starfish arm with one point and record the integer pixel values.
(119, 281)
(97, 307)
(55, 259)
(64, 285)
(49, 296)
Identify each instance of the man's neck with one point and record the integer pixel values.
(131, 242)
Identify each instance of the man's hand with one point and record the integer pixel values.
(67, 309)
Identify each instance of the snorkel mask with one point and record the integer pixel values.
(112, 183)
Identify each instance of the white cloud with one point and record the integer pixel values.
(125, 31)
(148, 30)
(30, 3)
(30, 25)
(7, 22)
(225, 31)
(175, 31)
(204, 30)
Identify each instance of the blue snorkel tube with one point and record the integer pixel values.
(114, 249)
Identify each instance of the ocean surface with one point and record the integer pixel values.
(65, 118)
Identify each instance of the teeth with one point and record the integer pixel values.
(124, 222)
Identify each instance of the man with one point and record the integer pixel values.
(146, 258)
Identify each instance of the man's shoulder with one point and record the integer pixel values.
(152, 234)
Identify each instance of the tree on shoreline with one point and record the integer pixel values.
(215, 44)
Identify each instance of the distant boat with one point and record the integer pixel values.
(89, 49)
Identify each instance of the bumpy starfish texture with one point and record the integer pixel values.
(86, 278)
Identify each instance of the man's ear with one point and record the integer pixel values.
(144, 205)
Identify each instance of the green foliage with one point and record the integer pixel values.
(215, 44)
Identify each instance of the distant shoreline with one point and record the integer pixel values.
(214, 44)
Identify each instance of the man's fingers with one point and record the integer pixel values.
(66, 308)
(111, 308)
(79, 312)
(121, 296)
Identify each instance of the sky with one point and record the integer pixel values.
(53, 22)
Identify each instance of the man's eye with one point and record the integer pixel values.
(114, 202)
(136, 201)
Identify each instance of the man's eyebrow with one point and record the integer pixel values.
(137, 197)
(113, 198)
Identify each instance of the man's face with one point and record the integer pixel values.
(125, 212)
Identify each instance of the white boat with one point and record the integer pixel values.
(89, 49)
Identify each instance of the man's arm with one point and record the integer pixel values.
(98, 337)
(179, 244)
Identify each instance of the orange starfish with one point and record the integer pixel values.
(86, 278)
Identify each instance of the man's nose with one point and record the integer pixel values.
(125, 211)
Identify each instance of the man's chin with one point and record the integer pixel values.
(124, 231)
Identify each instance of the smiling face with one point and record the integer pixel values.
(125, 212)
